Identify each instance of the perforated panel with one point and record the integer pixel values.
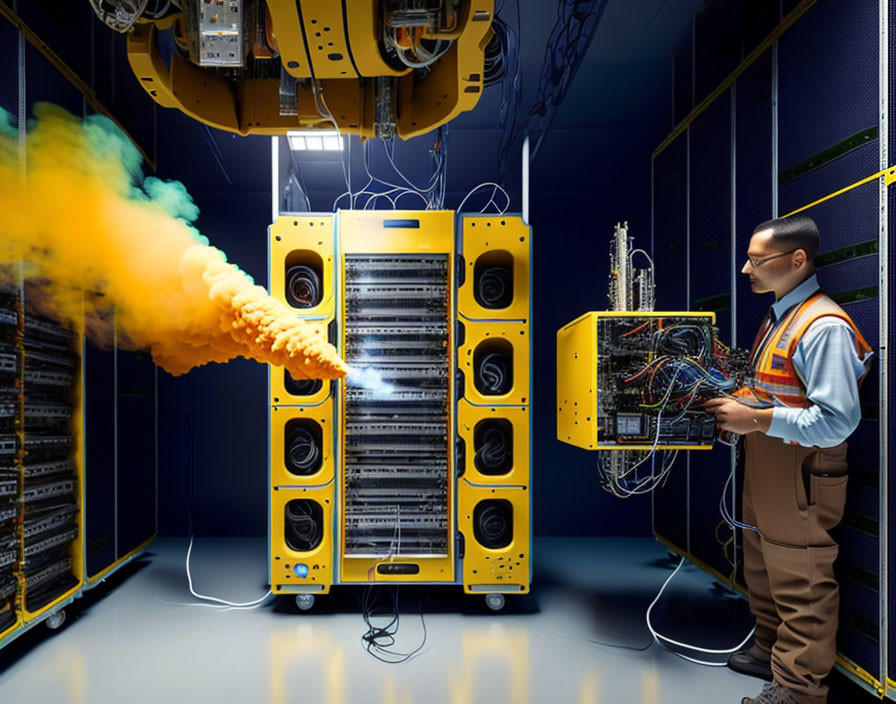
(136, 451)
(99, 458)
(669, 248)
(828, 67)
(9, 69)
(891, 374)
(710, 252)
(753, 202)
(844, 171)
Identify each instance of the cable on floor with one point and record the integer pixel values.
(379, 641)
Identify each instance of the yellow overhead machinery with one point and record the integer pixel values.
(375, 68)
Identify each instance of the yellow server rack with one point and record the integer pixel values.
(400, 293)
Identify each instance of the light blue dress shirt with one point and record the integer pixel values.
(826, 361)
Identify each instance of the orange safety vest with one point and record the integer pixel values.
(776, 378)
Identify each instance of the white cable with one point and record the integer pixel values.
(665, 640)
(410, 193)
(223, 602)
(636, 251)
(483, 185)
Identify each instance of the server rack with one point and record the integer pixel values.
(41, 474)
(48, 498)
(428, 482)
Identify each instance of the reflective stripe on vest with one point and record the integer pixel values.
(776, 378)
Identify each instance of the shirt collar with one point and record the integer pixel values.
(797, 295)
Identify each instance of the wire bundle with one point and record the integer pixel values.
(382, 190)
(379, 641)
(686, 366)
(566, 48)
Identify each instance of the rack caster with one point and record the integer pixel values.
(55, 620)
(304, 601)
(494, 601)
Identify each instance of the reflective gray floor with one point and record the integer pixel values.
(133, 640)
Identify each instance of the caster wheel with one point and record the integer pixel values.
(304, 601)
(55, 621)
(494, 601)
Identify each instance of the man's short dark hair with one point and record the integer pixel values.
(797, 232)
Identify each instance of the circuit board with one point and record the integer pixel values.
(637, 380)
(652, 373)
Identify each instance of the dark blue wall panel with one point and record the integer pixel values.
(9, 70)
(670, 198)
(99, 457)
(828, 68)
(136, 476)
(710, 277)
(570, 274)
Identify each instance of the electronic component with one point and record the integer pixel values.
(630, 381)
(396, 454)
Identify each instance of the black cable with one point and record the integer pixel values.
(495, 287)
(303, 451)
(303, 287)
(379, 640)
(493, 449)
(492, 527)
(492, 373)
(303, 530)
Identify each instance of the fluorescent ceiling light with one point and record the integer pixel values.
(315, 140)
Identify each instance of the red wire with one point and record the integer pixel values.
(637, 329)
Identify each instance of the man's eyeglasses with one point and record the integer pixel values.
(759, 262)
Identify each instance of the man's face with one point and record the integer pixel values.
(771, 273)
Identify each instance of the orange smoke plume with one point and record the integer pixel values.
(92, 235)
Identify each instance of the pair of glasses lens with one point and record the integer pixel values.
(759, 262)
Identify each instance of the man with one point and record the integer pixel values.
(809, 360)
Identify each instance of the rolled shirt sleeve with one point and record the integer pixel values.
(826, 361)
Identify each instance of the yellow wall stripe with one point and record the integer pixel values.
(750, 59)
(889, 173)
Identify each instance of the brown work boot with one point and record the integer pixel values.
(754, 662)
(772, 693)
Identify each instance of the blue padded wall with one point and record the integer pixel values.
(753, 205)
(669, 250)
(136, 476)
(710, 289)
(99, 458)
(827, 79)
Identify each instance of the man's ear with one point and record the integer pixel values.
(799, 259)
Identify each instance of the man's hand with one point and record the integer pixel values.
(736, 417)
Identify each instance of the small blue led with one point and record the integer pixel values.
(300, 570)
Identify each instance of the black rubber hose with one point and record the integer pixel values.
(493, 527)
(302, 387)
(303, 287)
(494, 448)
(495, 287)
(493, 374)
(303, 531)
(303, 455)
